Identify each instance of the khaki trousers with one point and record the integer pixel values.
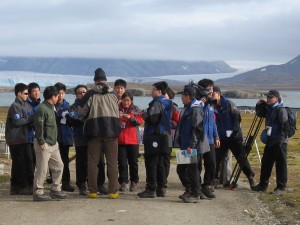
(109, 146)
(48, 156)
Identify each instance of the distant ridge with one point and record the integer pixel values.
(284, 75)
(113, 67)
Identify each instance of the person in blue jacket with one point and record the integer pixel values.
(65, 135)
(228, 120)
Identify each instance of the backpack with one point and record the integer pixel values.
(292, 120)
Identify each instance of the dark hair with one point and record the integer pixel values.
(120, 82)
(127, 94)
(161, 85)
(32, 86)
(217, 89)
(60, 86)
(170, 93)
(80, 86)
(205, 83)
(20, 87)
(49, 92)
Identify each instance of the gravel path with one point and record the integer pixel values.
(240, 206)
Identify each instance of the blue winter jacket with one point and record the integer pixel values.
(158, 116)
(65, 134)
(210, 126)
(228, 119)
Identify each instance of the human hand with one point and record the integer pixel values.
(217, 143)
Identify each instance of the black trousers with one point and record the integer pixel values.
(274, 154)
(237, 150)
(64, 154)
(101, 173)
(209, 159)
(22, 170)
(189, 177)
(167, 161)
(155, 171)
(81, 165)
(128, 155)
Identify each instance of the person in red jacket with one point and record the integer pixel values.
(130, 119)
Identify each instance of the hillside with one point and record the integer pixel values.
(284, 75)
(113, 67)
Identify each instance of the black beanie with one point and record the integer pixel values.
(99, 75)
(161, 85)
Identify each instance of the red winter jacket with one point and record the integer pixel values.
(130, 133)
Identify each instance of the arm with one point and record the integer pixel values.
(18, 118)
(39, 126)
(283, 120)
(154, 114)
(175, 118)
(236, 117)
(85, 109)
(196, 126)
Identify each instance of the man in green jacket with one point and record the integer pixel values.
(46, 148)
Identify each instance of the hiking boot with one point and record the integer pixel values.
(102, 190)
(25, 191)
(185, 194)
(252, 182)
(14, 190)
(92, 195)
(161, 192)
(208, 192)
(201, 195)
(113, 195)
(67, 187)
(58, 195)
(82, 190)
(147, 194)
(279, 191)
(124, 187)
(41, 198)
(191, 199)
(133, 187)
(259, 188)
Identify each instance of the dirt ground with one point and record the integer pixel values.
(240, 206)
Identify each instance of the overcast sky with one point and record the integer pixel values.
(241, 32)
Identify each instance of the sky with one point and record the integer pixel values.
(244, 33)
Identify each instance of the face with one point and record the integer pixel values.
(54, 99)
(271, 100)
(155, 92)
(35, 93)
(61, 96)
(211, 91)
(80, 92)
(23, 95)
(185, 99)
(126, 102)
(120, 90)
(216, 96)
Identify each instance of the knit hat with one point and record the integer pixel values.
(161, 85)
(99, 75)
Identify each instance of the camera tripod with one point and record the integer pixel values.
(247, 146)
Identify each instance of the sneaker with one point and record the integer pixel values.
(279, 191)
(58, 195)
(201, 195)
(161, 192)
(92, 195)
(41, 198)
(113, 195)
(208, 192)
(185, 194)
(251, 181)
(25, 191)
(67, 187)
(133, 187)
(82, 190)
(102, 190)
(259, 188)
(191, 199)
(147, 194)
(124, 187)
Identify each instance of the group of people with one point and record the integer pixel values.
(104, 125)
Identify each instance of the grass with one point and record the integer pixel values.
(285, 207)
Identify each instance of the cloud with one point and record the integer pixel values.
(152, 29)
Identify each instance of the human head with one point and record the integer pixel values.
(120, 87)
(273, 96)
(80, 90)
(188, 94)
(127, 99)
(51, 94)
(159, 88)
(170, 93)
(217, 94)
(100, 76)
(21, 91)
(61, 88)
(207, 84)
(34, 90)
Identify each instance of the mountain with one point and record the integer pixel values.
(112, 67)
(284, 75)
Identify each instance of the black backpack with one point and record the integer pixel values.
(292, 120)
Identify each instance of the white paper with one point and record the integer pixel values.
(181, 158)
(63, 119)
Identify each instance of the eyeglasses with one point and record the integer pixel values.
(80, 93)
